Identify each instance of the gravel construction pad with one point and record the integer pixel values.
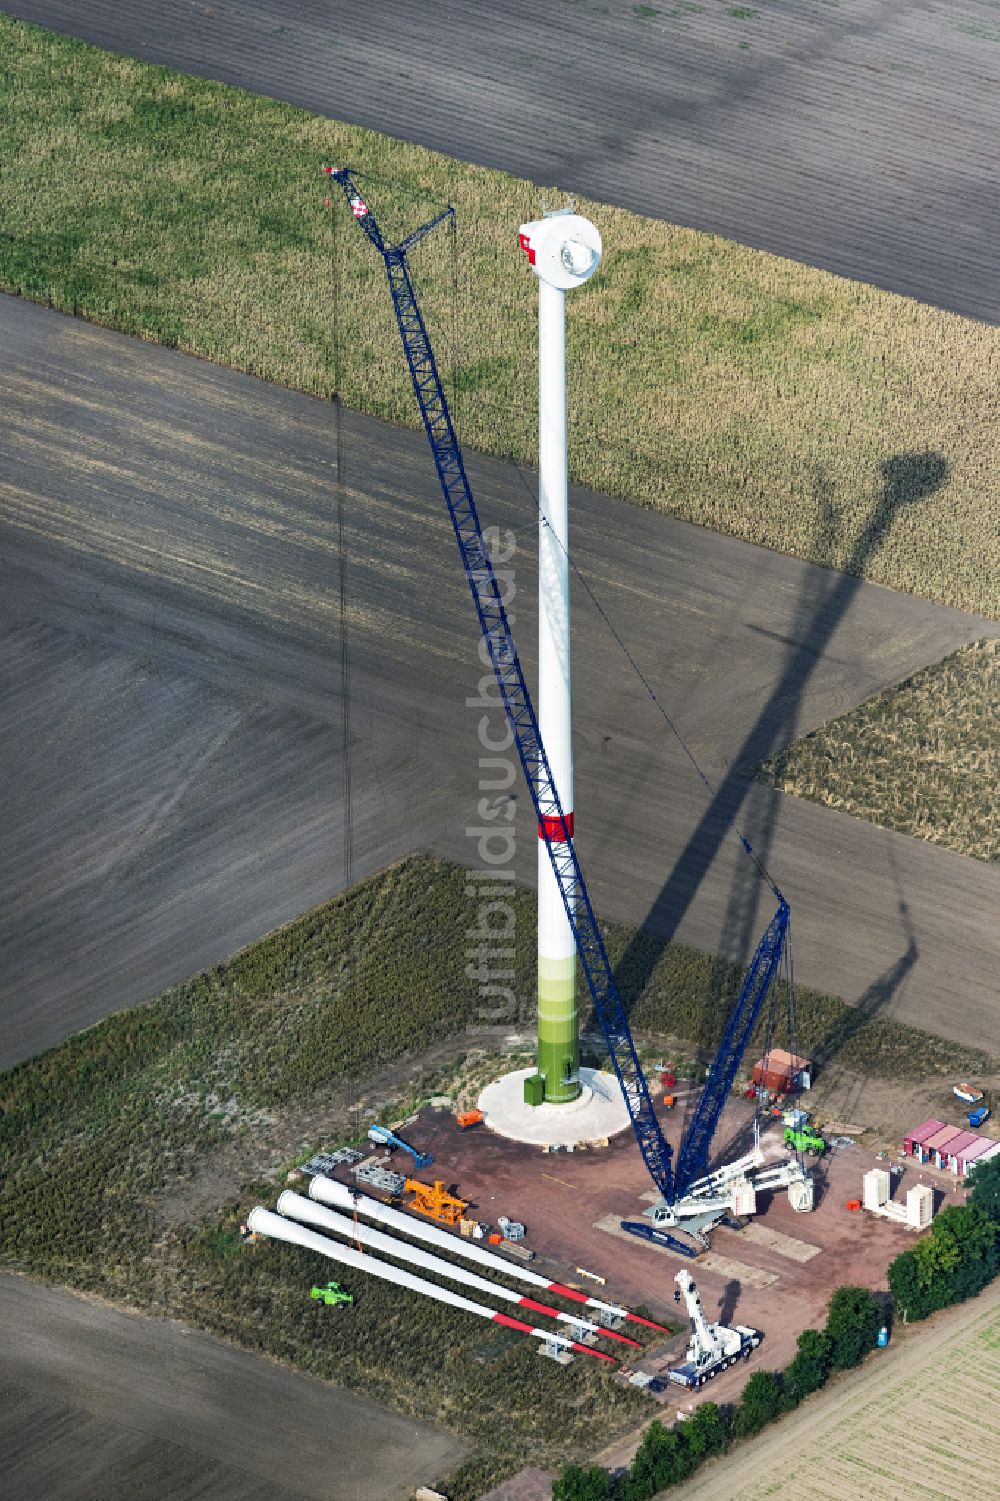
(830, 134)
(571, 1206)
(736, 1271)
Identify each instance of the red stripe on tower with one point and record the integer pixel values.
(559, 830)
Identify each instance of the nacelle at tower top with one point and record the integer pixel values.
(563, 249)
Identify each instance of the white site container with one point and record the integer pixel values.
(919, 1206)
(875, 1188)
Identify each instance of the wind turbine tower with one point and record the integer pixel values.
(564, 251)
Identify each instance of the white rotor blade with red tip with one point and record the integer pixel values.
(295, 1207)
(329, 1191)
(261, 1221)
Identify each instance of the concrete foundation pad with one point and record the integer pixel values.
(599, 1111)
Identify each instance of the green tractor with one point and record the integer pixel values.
(804, 1139)
(331, 1294)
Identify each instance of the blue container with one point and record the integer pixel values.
(883, 1337)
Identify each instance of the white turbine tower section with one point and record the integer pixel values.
(261, 1221)
(564, 251)
(329, 1191)
(295, 1207)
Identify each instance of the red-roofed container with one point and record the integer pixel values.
(781, 1072)
(984, 1148)
(913, 1141)
(932, 1146)
(949, 1155)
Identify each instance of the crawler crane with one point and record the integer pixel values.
(692, 1198)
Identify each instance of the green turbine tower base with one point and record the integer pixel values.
(558, 1036)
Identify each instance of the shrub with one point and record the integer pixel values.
(576, 1484)
(962, 1233)
(910, 1297)
(661, 1459)
(954, 1261)
(810, 1367)
(852, 1324)
(761, 1403)
(705, 1431)
(985, 1188)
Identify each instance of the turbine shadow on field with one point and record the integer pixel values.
(826, 597)
(871, 1003)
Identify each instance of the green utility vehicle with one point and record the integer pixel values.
(331, 1294)
(804, 1140)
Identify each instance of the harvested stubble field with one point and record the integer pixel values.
(735, 389)
(919, 1420)
(133, 1148)
(923, 758)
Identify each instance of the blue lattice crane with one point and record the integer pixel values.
(685, 1181)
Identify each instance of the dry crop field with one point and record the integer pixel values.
(750, 394)
(922, 757)
(920, 1420)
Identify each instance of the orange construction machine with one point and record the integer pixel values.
(433, 1201)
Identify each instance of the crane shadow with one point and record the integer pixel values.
(907, 478)
(730, 1298)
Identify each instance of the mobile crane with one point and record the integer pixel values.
(690, 1194)
(712, 1347)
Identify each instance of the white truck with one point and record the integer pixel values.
(712, 1347)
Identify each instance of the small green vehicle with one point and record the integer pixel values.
(331, 1294)
(804, 1140)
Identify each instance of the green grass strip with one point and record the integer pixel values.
(747, 393)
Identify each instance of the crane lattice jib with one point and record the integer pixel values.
(610, 1012)
(514, 693)
(692, 1159)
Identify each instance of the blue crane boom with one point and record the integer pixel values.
(656, 1151)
